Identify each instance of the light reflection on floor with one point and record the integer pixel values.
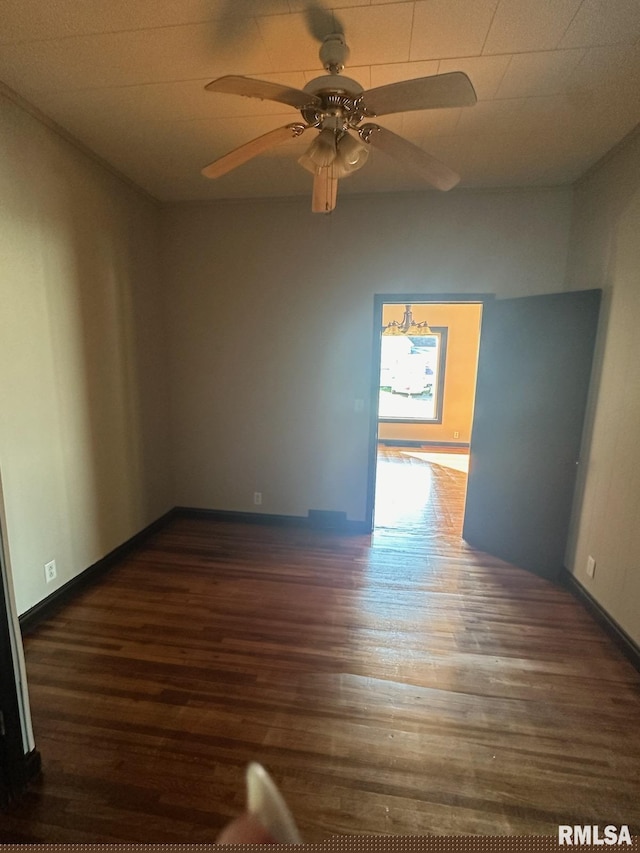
(402, 493)
(419, 510)
(421, 491)
(457, 461)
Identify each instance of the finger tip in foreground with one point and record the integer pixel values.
(245, 829)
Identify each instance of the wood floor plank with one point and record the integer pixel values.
(398, 683)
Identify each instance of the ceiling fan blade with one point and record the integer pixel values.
(431, 170)
(325, 192)
(263, 89)
(251, 149)
(424, 93)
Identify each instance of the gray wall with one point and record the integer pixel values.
(83, 438)
(605, 252)
(271, 327)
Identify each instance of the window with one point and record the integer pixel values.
(412, 376)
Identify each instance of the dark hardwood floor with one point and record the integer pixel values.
(400, 683)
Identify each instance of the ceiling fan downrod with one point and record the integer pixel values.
(334, 53)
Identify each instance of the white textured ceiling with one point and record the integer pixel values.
(558, 83)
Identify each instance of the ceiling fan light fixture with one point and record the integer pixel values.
(307, 163)
(352, 154)
(322, 151)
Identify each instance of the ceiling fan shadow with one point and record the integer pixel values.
(231, 27)
(233, 24)
(322, 22)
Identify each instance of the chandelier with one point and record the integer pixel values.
(406, 326)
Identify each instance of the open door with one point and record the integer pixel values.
(534, 368)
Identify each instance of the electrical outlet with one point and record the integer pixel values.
(50, 571)
(591, 566)
(456, 434)
(257, 498)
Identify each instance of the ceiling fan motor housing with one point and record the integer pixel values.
(334, 83)
(339, 96)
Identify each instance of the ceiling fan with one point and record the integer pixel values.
(337, 107)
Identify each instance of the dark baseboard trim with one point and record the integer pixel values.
(31, 767)
(49, 605)
(346, 526)
(446, 444)
(24, 772)
(240, 517)
(627, 645)
(402, 442)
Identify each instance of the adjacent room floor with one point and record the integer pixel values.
(399, 683)
(422, 489)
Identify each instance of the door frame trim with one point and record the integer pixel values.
(379, 300)
(19, 759)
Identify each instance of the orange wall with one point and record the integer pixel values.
(463, 323)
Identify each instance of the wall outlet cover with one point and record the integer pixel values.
(50, 571)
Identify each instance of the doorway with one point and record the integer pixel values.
(533, 380)
(424, 386)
